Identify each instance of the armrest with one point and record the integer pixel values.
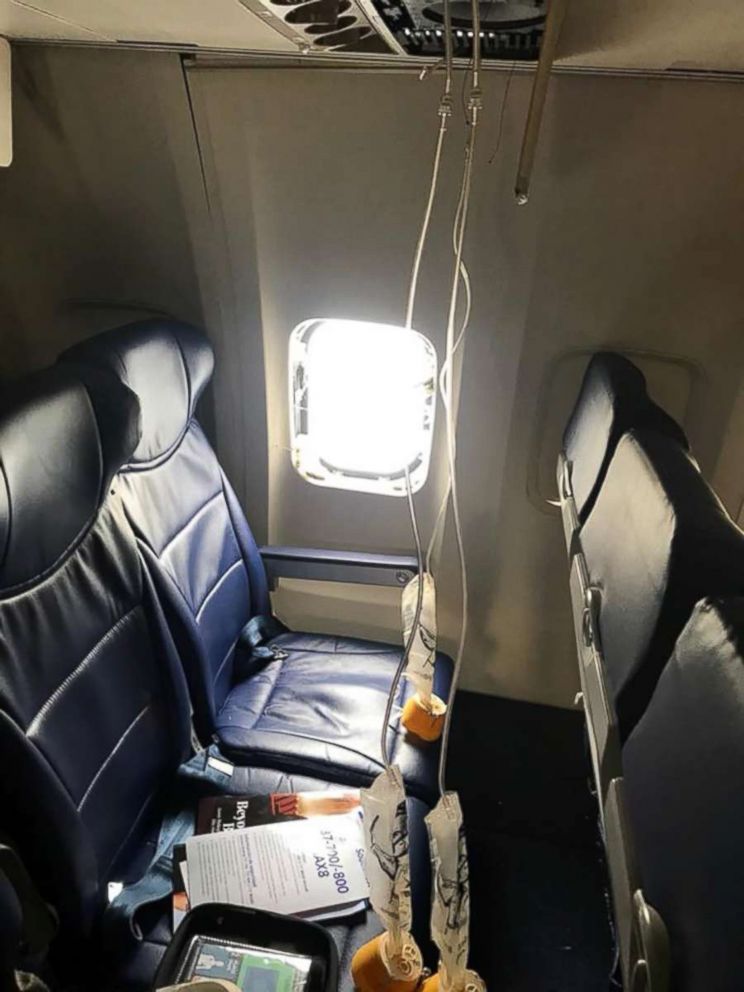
(322, 565)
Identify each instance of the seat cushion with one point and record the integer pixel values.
(192, 531)
(94, 713)
(612, 400)
(683, 767)
(319, 709)
(138, 963)
(657, 541)
(326, 701)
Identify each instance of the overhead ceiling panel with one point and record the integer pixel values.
(612, 34)
(651, 34)
(19, 20)
(206, 23)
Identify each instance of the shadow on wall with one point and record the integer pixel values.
(631, 239)
(94, 225)
(635, 248)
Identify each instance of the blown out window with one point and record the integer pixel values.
(362, 399)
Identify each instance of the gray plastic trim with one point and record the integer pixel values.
(604, 739)
(642, 936)
(568, 506)
(323, 565)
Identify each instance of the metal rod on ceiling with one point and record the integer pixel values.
(553, 25)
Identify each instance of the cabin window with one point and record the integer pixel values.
(362, 399)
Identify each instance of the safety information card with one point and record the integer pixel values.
(301, 867)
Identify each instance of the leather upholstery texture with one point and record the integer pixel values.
(204, 559)
(61, 444)
(94, 708)
(167, 364)
(321, 708)
(683, 767)
(613, 399)
(338, 686)
(90, 727)
(657, 541)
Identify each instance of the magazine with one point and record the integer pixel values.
(217, 814)
(220, 813)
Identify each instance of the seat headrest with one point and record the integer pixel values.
(166, 363)
(683, 767)
(613, 399)
(657, 541)
(62, 441)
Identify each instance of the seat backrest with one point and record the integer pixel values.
(613, 399)
(656, 542)
(93, 706)
(683, 766)
(185, 513)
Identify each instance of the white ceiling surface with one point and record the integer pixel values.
(206, 23)
(654, 34)
(613, 34)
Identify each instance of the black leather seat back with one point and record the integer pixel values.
(613, 399)
(684, 768)
(183, 509)
(93, 710)
(656, 542)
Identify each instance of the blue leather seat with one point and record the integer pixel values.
(683, 767)
(613, 399)
(90, 726)
(318, 706)
(657, 541)
(94, 709)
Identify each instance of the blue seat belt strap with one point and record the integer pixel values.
(202, 775)
(254, 650)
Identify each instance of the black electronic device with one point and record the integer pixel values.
(256, 950)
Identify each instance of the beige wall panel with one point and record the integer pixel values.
(315, 182)
(94, 212)
(631, 240)
(105, 219)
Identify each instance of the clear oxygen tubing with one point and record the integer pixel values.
(437, 531)
(436, 534)
(411, 637)
(447, 378)
(444, 111)
(445, 386)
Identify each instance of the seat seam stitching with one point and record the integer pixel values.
(41, 714)
(188, 523)
(307, 737)
(131, 830)
(224, 660)
(216, 586)
(114, 750)
(54, 770)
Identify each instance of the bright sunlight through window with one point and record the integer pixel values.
(362, 400)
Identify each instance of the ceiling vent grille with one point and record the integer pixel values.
(510, 29)
(328, 25)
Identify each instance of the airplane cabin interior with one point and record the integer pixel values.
(371, 496)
